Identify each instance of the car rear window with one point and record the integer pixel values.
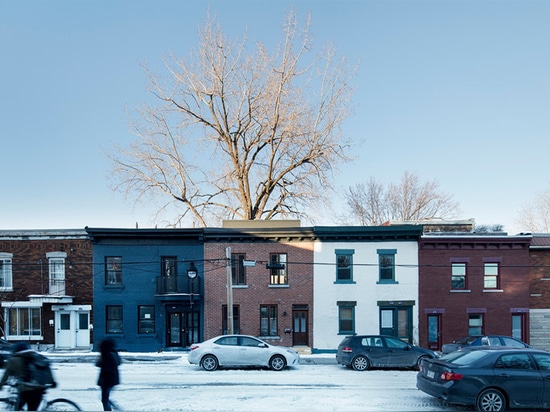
(464, 358)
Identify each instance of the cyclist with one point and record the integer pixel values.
(30, 394)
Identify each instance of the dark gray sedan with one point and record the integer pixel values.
(483, 340)
(362, 352)
(489, 379)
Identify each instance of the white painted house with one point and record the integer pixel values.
(365, 282)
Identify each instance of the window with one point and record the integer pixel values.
(24, 321)
(277, 266)
(268, 320)
(56, 263)
(168, 266)
(114, 319)
(386, 264)
(5, 271)
(518, 328)
(146, 319)
(344, 265)
(238, 273)
(346, 318)
(113, 270)
(458, 276)
(475, 324)
(490, 276)
(236, 321)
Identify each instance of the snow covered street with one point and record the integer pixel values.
(167, 382)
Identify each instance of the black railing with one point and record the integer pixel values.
(178, 284)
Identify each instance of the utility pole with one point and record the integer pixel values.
(229, 292)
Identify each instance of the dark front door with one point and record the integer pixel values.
(182, 329)
(434, 332)
(300, 335)
(396, 321)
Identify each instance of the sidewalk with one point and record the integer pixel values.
(90, 357)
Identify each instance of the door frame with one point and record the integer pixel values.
(76, 337)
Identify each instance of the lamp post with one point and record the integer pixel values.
(192, 274)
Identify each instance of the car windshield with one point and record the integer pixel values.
(464, 357)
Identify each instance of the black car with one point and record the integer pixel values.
(489, 379)
(483, 340)
(362, 352)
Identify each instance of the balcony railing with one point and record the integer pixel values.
(178, 284)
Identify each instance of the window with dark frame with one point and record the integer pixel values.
(169, 266)
(268, 320)
(344, 265)
(113, 270)
(278, 270)
(146, 315)
(475, 324)
(113, 318)
(346, 318)
(490, 276)
(458, 276)
(386, 264)
(238, 270)
(236, 319)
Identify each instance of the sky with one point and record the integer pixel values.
(456, 91)
(161, 384)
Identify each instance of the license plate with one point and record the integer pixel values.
(430, 374)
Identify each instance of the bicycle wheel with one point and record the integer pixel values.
(7, 404)
(62, 404)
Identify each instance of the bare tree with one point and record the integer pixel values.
(535, 216)
(371, 204)
(237, 135)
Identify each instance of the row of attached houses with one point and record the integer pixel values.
(307, 287)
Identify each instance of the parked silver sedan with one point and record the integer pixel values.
(241, 351)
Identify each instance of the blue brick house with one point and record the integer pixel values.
(148, 287)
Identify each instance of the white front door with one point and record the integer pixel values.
(63, 333)
(83, 329)
(72, 326)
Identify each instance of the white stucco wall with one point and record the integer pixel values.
(365, 290)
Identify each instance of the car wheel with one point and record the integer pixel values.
(491, 400)
(360, 363)
(209, 363)
(277, 363)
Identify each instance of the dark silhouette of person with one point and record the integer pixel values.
(109, 377)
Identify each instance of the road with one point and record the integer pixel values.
(172, 384)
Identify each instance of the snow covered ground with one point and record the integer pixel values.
(167, 382)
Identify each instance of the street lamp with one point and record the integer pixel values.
(192, 274)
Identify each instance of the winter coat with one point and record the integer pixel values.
(16, 367)
(108, 363)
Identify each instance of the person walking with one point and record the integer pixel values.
(30, 389)
(108, 363)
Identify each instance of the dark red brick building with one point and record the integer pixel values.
(46, 288)
(473, 284)
(272, 281)
(539, 281)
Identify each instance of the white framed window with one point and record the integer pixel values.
(23, 320)
(6, 271)
(56, 263)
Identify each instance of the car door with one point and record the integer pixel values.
(253, 352)
(399, 353)
(517, 374)
(374, 349)
(228, 350)
(542, 361)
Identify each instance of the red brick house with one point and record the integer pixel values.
(539, 281)
(473, 284)
(271, 268)
(46, 287)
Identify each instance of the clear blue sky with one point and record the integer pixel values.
(457, 91)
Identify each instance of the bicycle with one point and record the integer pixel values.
(10, 402)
